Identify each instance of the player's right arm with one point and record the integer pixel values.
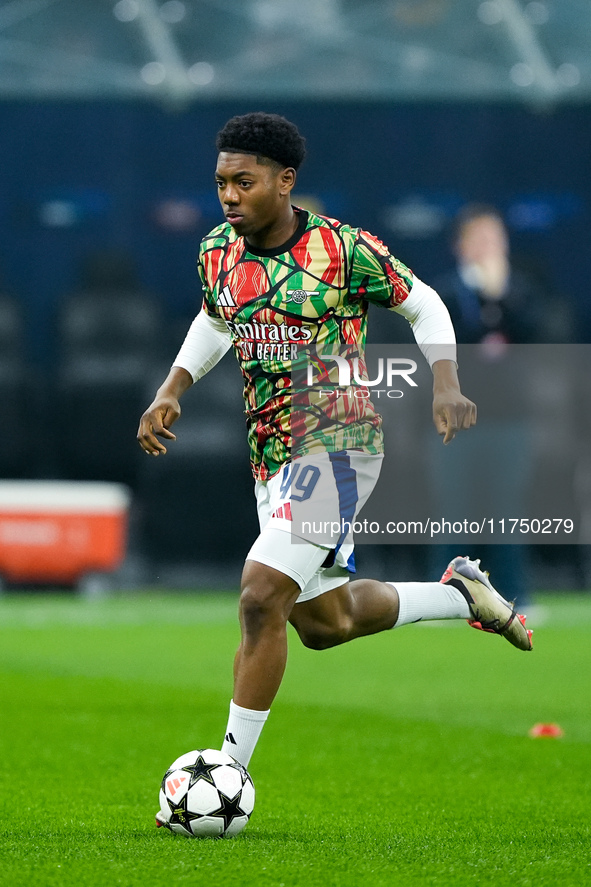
(205, 344)
(163, 411)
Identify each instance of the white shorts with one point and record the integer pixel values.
(305, 512)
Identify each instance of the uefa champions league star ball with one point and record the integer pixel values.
(205, 794)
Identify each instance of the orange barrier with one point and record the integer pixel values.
(55, 531)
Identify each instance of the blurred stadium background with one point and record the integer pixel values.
(108, 114)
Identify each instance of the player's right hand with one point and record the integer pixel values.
(156, 423)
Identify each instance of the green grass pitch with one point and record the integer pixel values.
(401, 759)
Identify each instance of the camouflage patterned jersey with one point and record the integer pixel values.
(313, 290)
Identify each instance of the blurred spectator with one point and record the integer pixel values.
(489, 299)
(492, 304)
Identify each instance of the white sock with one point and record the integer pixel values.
(420, 601)
(243, 731)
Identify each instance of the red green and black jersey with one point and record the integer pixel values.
(313, 290)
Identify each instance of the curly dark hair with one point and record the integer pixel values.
(267, 136)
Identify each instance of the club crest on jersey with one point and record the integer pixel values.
(299, 296)
(225, 298)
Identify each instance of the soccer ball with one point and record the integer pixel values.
(205, 793)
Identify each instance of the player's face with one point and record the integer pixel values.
(254, 196)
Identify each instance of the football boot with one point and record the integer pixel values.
(489, 610)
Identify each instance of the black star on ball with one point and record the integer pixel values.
(229, 809)
(179, 815)
(200, 770)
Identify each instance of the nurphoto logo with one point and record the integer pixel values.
(353, 372)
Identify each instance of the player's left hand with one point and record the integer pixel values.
(452, 412)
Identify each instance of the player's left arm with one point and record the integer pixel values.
(434, 334)
(381, 278)
(452, 411)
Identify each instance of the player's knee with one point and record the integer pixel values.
(322, 637)
(263, 604)
(257, 608)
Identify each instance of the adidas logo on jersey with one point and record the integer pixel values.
(225, 298)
